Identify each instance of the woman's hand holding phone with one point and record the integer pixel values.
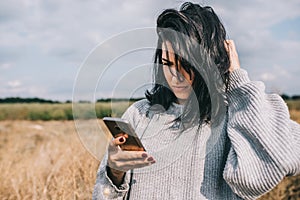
(120, 161)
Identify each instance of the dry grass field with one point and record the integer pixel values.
(46, 160)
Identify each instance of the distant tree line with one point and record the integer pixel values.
(26, 100)
(106, 100)
(118, 99)
(40, 100)
(287, 97)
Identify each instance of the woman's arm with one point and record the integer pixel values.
(265, 143)
(113, 177)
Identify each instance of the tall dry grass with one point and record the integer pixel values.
(46, 160)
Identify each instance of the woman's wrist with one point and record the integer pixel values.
(116, 176)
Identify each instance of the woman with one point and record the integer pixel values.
(208, 135)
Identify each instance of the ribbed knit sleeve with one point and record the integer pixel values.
(104, 188)
(265, 143)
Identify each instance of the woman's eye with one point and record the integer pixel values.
(167, 64)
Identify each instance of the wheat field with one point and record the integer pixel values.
(46, 160)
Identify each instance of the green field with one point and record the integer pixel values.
(60, 111)
(63, 111)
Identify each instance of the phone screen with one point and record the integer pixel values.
(120, 127)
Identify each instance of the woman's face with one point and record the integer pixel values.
(180, 82)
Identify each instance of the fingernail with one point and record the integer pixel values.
(121, 139)
(153, 162)
(150, 159)
(144, 155)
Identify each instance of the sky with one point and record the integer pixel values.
(46, 44)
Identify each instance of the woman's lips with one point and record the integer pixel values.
(179, 88)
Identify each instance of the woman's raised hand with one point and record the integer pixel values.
(233, 55)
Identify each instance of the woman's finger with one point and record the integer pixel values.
(124, 160)
(114, 143)
(133, 165)
(131, 156)
(233, 55)
(128, 165)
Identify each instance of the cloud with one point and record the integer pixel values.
(18, 88)
(70, 29)
(277, 72)
(256, 14)
(14, 84)
(10, 10)
(6, 66)
(261, 51)
(250, 23)
(53, 35)
(267, 77)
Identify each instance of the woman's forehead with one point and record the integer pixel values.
(167, 46)
(167, 50)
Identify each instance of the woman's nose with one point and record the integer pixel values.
(177, 76)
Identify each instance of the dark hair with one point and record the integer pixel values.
(197, 37)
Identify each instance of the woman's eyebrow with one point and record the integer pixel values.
(167, 61)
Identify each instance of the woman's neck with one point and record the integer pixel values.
(181, 101)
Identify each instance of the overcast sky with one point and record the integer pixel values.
(44, 43)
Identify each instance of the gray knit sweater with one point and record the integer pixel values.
(245, 156)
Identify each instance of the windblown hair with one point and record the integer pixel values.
(197, 37)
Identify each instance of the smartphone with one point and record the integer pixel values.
(121, 127)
